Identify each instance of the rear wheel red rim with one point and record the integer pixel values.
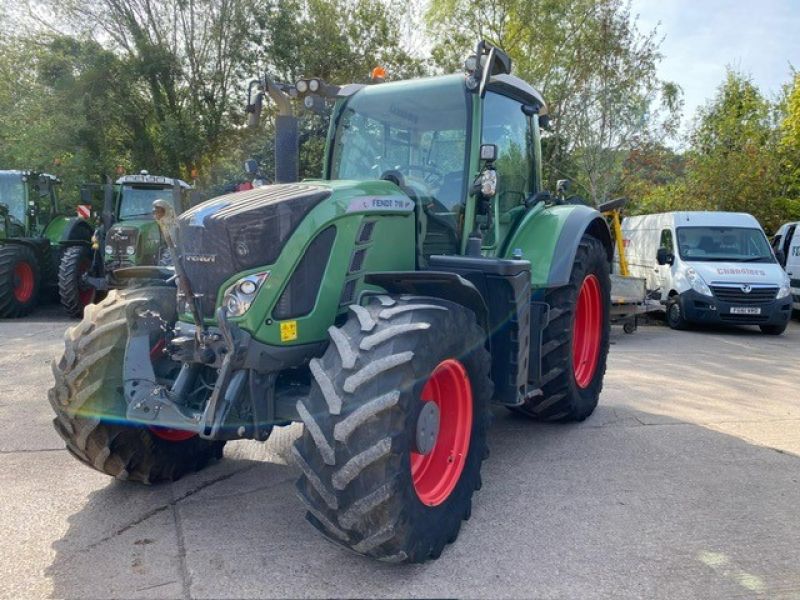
(436, 474)
(587, 331)
(23, 281)
(85, 291)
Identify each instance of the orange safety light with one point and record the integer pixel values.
(378, 74)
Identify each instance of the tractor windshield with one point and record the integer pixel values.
(12, 195)
(417, 129)
(136, 201)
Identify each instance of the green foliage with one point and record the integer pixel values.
(734, 160)
(596, 70)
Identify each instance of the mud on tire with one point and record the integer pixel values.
(360, 425)
(563, 399)
(90, 407)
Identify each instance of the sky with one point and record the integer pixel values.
(701, 37)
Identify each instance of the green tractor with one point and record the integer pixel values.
(33, 236)
(127, 238)
(387, 306)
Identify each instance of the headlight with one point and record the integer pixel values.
(130, 250)
(109, 249)
(313, 85)
(697, 283)
(240, 295)
(785, 289)
(302, 86)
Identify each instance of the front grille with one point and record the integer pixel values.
(240, 231)
(735, 294)
(119, 238)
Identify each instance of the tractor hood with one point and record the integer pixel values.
(246, 230)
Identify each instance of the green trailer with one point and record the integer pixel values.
(426, 277)
(126, 238)
(34, 234)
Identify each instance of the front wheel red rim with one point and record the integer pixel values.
(587, 331)
(436, 474)
(23, 281)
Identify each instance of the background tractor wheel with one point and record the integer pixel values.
(395, 428)
(575, 341)
(90, 407)
(75, 294)
(19, 280)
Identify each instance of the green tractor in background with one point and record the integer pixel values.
(33, 237)
(387, 306)
(126, 239)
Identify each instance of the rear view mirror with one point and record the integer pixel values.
(86, 196)
(664, 257)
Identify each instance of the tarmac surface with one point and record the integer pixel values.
(685, 483)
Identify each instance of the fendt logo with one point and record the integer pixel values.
(200, 258)
(746, 288)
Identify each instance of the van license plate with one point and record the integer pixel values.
(745, 310)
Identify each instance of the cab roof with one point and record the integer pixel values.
(19, 173)
(148, 179)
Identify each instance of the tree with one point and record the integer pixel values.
(596, 70)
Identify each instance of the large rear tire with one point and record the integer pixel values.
(367, 481)
(20, 279)
(575, 341)
(73, 291)
(90, 407)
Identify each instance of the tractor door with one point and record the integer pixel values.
(43, 204)
(515, 133)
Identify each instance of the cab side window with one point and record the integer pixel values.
(506, 126)
(666, 241)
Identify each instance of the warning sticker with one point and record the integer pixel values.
(288, 331)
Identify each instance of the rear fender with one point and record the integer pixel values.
(549, 238)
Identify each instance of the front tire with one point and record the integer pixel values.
(575, 341)
(73, 291)
(675, 318)
(90, 407)
(773, 329)
(20, 279)
(366, 481)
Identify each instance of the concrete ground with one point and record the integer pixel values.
(684, 484)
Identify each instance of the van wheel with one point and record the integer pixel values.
(675, 318)
(773, 329)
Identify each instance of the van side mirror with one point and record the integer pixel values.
(663, 257)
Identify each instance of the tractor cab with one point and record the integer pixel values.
(127, 244)
(33, 237)
(28, 202)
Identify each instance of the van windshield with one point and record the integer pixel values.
(723, 244)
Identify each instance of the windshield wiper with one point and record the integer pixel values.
(756, 258)
(145, 214)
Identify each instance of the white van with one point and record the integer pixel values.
(786, 243)
(709, 267)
